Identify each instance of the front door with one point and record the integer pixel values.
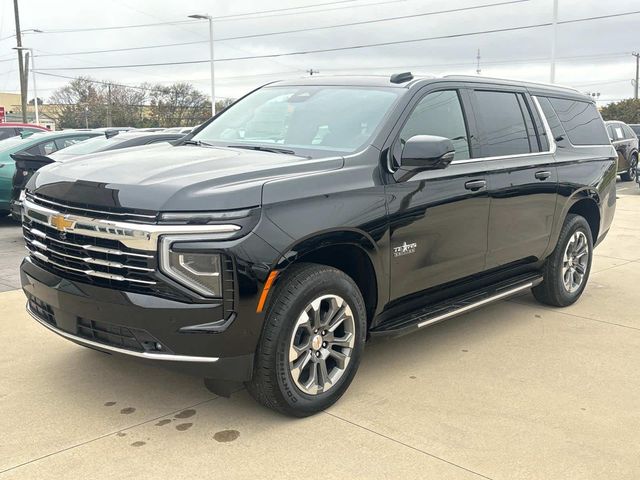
(438, 218)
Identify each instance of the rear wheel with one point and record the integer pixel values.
(632, 172)
(311, 343)
(567, 269)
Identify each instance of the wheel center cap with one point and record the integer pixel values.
(316, 342)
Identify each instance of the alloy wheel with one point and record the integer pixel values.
(575, 261)
(321, 344)
(633, 173)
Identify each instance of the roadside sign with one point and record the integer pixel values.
(1, 114)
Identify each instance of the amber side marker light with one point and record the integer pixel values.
(265, 290)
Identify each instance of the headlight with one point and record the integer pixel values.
(199, 271)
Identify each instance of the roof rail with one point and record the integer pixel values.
(543, 84)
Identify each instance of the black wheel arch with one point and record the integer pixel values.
(585, 202)
(350, 250)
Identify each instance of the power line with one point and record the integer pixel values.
(279, 15)
(89, 52)
(381, 20)
(281, 9)
(183, 22)
(257, 35)
(117, 27)
(351, 47)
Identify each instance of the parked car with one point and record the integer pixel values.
(625, 140)
(43, 143)
(314, 214)
(8, 130)
(635, 127)
(27, 164)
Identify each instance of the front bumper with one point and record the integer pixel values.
(16, 209)
(136, 325)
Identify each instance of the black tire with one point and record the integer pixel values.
(273, 384)
(631, 173)
(552, 290)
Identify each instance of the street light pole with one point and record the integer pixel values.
(211, 58)
(33, 76)
(554, 39)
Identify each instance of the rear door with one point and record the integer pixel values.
(621, 144)
(522, 176)
(438, 218)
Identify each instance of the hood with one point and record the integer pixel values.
(163, 177)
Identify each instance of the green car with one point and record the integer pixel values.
(35, 144)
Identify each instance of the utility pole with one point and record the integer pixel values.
(635, 84)
(311, 71)
(30, 56)
(23, 78)
(109, 105)
(554, 39)
(478, 70)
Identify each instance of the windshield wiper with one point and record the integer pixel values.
(198, 143)
(260, 148)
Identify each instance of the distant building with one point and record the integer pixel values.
(11, 111)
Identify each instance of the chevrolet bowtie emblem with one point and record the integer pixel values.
(61, 223)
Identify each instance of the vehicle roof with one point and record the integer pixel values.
(19, 124)
(63, 133)
(421, 80)
(607, 122)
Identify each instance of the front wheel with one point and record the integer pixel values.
(312, 341)
(567, 269)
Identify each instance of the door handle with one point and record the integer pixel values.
(543, 175)
(475, 185)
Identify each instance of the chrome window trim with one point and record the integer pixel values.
(136, 236)
(109, 348)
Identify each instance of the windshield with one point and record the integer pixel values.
(317, 118)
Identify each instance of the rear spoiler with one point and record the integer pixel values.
(27, 161)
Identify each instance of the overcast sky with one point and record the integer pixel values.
(594, 56)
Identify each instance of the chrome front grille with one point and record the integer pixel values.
(82, 256)
(101, 251)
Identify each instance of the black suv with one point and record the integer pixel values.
(314, 214)
(625, 141)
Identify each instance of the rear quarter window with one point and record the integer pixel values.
(581, 121)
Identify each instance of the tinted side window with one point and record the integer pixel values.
(552, 119)
(615, 132)
(7, 133)
(439, 114)
(68, 141)
(581, 121)
(628, 133)
(502, 121)
(45, 148)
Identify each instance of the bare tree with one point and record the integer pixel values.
(87, 102)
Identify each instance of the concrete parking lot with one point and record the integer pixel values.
(513, 391)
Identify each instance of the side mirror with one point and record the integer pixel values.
(427, 152)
